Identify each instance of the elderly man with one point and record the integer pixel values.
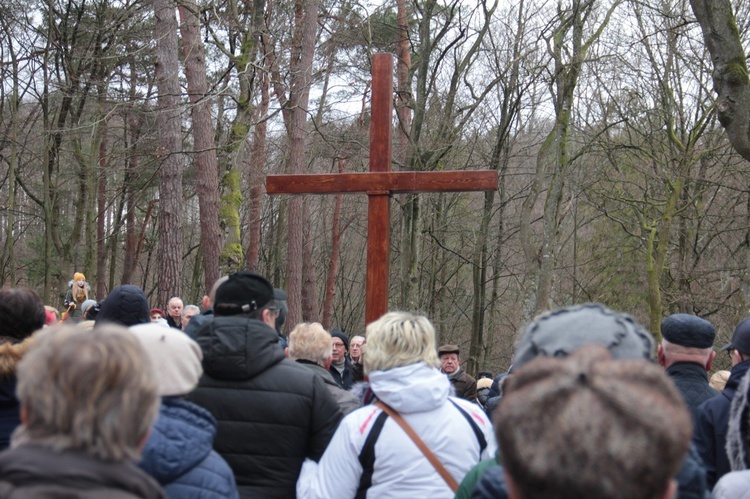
(341, 368)
(272, 413)
(310, 346)
(686, 353)
(355, 353)
(188, 313)
(594, 448)
(465, 385)
(88, 401)
(174, 312)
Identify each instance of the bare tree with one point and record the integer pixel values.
(731, 82)
(169, 152)
(206, 163)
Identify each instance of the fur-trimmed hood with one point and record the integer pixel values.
(11, 354)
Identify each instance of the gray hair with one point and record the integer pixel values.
(309, 341)
(190, 308)
(399, 339)
(90, 391)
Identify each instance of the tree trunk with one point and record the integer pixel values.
(310, 311)
(333, 263)
(303, 50)
(207, 172)
(730, 78)
(169, 256)
(257, 173)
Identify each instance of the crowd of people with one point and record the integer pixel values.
(120, 399)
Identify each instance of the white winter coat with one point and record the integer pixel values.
(421, 395)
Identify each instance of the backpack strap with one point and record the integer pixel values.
(474, 427)
(367, 456)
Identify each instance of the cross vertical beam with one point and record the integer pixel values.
(379, 212)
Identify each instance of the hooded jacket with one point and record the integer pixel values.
(179, 453)
(272, 413)
(419, 393)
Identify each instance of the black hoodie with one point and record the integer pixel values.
(272, 413)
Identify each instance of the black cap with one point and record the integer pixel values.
(126, 305)
(740, 338)
(688, 331)
(242, 293)
(338, 333)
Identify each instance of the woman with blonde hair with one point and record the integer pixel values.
(76, 295)
(417, 440)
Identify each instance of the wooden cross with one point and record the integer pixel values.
(379, 183)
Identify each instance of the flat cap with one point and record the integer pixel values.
(446, 349)
(688, 331)
(561, 332)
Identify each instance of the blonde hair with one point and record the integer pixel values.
(95, 392)
(309, 341)
(399, 339)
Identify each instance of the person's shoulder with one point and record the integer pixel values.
(734, 485)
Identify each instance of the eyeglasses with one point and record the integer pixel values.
(338, 345)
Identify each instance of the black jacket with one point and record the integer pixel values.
(691, 380)
(710, 433)
(346, 379)
(272, 413)
(35, 471)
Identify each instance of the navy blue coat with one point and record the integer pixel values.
(710, 434)
(179, 453)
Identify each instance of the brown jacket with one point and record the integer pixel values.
(465, 386)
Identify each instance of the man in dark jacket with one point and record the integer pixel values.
(465, 385)
(710, 435)
(686, 352)
(342, 369)
(272, 413)
(88, 402)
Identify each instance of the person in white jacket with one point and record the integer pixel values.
(370, 455)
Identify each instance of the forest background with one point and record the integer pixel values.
(135, 137)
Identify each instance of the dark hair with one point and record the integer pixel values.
(21, 313)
